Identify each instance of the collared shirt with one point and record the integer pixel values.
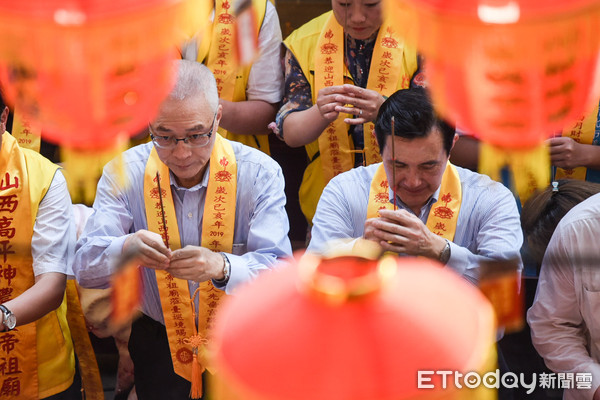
(261, 223)
(53, 241)
(565, 328)
(488, 225)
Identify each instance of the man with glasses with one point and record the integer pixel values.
(199, 213)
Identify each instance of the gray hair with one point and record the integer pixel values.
(194, 78)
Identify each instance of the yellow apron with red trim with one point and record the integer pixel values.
(217, 235)
(318, 47)
(219, 55)
(443, 216)
(39, 356)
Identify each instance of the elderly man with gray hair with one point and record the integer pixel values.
(201, 215)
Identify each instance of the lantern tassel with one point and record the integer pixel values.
(196, 390)
(530, 168)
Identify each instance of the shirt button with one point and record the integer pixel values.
(190, 215)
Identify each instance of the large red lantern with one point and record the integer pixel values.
(513, 72)
(350, 328)
(89, 71)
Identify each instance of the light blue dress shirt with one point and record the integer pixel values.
(261, 223)
(488, 225)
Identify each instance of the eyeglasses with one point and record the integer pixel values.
(194, 140)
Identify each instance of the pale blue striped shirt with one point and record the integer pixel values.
(261, 223)
(488, 225)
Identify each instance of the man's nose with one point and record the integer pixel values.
(412, 180)
(181, 150)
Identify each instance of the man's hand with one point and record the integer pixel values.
(365, 104)
(566, 153)
(197, 264)
(148, 248)
(402, 232)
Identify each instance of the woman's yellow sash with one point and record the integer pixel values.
(385, 74)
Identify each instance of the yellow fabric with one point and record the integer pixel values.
(49, 337)
(392, 58)
(28, 136)
(530, 168)
(582, 131)
(217, 235)
(88, 366)
(443, 216)
(220, 53)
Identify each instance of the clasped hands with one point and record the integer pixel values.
(362, 103)
(399, 231)
(193, 263)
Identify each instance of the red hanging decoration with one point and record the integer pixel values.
(88, 71)
(511, 71)
(351, 328)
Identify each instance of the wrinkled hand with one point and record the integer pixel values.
(148, 248)
(566, 153)
(365, 102)
(327, 103)
(402, 232)
(196, 263)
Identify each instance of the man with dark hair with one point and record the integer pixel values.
(416, 202)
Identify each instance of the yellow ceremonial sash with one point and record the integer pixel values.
(386, 75)
(17, 348)
(220, 56)
(28, 135)
(582, 131)
(217, 235)
(444, 212)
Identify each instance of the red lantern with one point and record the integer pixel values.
(89, 71)
(351, 328)
(513, 72)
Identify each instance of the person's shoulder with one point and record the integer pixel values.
(587, 211)
(479, 182)
(356, 176)
(247, 156)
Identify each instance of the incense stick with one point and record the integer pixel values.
(393, 164)
(162, 210)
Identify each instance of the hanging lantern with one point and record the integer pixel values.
(513, 72)
(351, 328)
(89, 71)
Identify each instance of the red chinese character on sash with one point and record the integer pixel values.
(387, 55)
(443, 211)
(218, 207)
(215, 244)
(381, 198)
(8, 273)
(5, 183)
(5, 294)
(11, 367)
(5, 249)
(221, 190)
(218, 215)
(5, 231)
(11, 387)
(218, 224)
(9, 203)
(8, 341)
(219, 199)
(226, 32)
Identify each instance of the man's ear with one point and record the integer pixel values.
(456, 137)
(3, 119)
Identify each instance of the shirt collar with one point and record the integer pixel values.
(426, 207)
